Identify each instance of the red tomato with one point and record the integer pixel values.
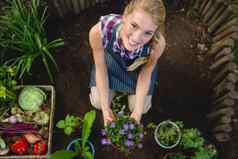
(39, 148)
(20, 147)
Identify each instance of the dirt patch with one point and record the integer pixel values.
(183, 83)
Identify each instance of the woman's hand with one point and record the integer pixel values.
(107, 115)
(137, 116)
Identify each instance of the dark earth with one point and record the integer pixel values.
(183, 89)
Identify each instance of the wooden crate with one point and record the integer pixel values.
(46, 88)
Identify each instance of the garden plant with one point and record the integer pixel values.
(124, 134)
(167, 134)
(81, 148)
(22, 32)
(191, 146)
(69, 124)
(7, 83)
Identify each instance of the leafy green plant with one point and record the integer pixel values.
(192, 144)
(119, 103)
(22, 30)
(191, 138)
(167, 134)
(69, 124)
(205, 152)
(124, 133)
(31, 98)
(7, 84)
(81, 149)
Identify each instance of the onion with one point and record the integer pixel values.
(4, 151)
(12, 119)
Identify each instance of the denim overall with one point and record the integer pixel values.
(119, 78)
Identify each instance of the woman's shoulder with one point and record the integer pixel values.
(109, 21)
(110, 17)
(107, 26)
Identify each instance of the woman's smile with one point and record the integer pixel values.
(138, 29)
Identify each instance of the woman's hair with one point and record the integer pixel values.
(153, 7)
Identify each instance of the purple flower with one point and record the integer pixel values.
(140, 146)
(122, 132)
(141, 136)
(126, 126)
(104, 141)
(131, 126)
(130, 136)
(113, 125)
(129, 143)
(103, 132)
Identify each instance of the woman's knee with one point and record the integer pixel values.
(147, 103)
(95, 98)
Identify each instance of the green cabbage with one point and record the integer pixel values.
(31, 98)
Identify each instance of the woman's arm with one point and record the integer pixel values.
(102, 83)
(144, 78)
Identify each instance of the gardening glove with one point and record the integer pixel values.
(107, 115)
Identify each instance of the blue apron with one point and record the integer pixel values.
(119, 78)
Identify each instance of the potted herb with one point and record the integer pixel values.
(124, 134)
(167, 134)
(69, 124)
(81, 147)
(191, 145)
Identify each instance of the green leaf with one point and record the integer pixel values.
(60, 124)
(22, 30)
(88, 120)
(63, 154)
(88, 155)
(68, 130)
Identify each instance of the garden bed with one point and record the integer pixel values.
(43, 130)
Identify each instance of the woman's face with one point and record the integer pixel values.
(137, 29)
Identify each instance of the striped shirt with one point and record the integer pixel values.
(108, 24)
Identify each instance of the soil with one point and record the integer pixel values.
(183, 78)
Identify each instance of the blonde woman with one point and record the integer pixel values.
(126, 49)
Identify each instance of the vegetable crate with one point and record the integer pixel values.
(33, 151)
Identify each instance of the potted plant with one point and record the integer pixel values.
(167, 134)
(69, 124)
(191, 143)
(124, 134)
(80, 147)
